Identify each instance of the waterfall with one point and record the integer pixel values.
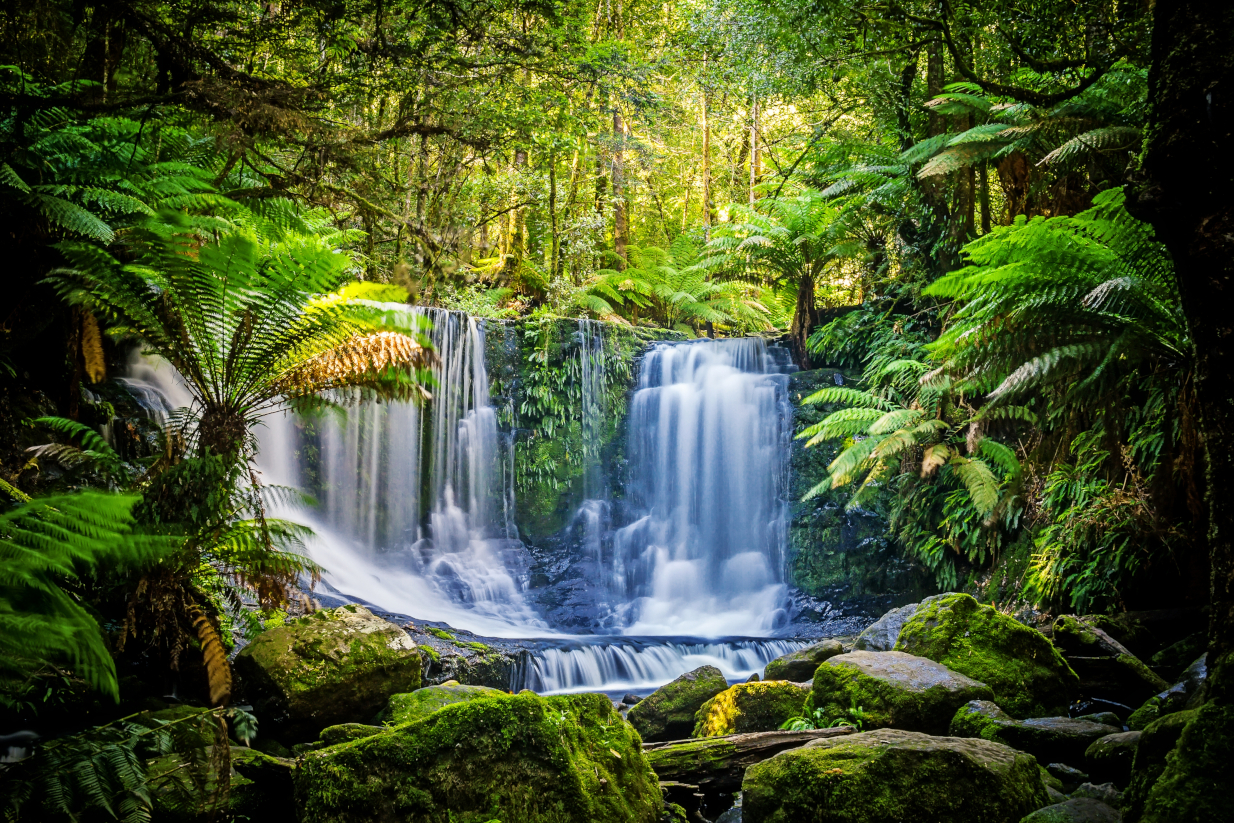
(639, 666)
(416, 502)
(703, 551)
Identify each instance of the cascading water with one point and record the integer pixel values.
(416, 503)
(704, 552)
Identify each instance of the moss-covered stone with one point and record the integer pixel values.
(751, 707)
(332, 667)
(403, 708)
(799, 666)
(891, 776)
(1156, 742)
(1027, 674)
(668, 712)
(518, 758)
(1076, 810)
(1109, 758)
(894, 689)
(1196, 784)
(346, 732)
(1049, 739)
(1105, 667)
(261, 787)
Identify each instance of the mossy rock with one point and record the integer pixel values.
(1076, 810)
(761, 706)
(403, 708)
(1049, 739)
(891, 776)
(1196, 782)
(1027, 674)
(799, 666)
(1105, 667)
(894, 689)
(346, 732)
(668, 712)
(1109, 759)
(1156, 742)
(882, 634)
(261, 786)
(518, 758)
(336, 666)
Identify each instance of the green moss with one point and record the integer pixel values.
(1153, 709)
(1027, 674)
(668, 712)
(345, 732)
(476, 646)
(404, 708)
(700, 759)
(799, 666)
(890, 776)
(979, 718)
(517, 758)
(1158, 740)
(1194, 785)
(750, 707)
(893, 690)
(336, 667)
(440, 634)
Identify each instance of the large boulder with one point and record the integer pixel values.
(1049, 739)
(1106, 669)
(517, 757)
(890, 776)
(668, 713)
(332, 667)
(1027, 674)
(1187, 692)
(894, 689)
(403, 708)
(1156, 741)
(1195, 783)
(799, 666)
(882, 634)
(1076, 810)
(751, 707)
(1109, 759)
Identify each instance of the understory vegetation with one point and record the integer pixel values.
(934, 195)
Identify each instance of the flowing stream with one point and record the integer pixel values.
(415, 506)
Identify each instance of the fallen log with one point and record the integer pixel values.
(717, 764)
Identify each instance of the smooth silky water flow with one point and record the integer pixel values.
(416, 502)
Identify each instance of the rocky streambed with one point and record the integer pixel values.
(946, 710)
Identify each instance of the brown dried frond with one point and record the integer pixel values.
(217, 669)
(92, 349)
(355, 362)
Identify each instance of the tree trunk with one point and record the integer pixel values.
(1186, 169)
(804, 317)
(754, 170)
(555, 245)
(708, 213)
(621, 228)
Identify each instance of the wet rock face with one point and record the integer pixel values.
(515, 757)
(1028, 676)
(889, 776)
(882, 634)
(799, 666)
(668, 713)
(331, 667)
(751, 707)
(1049, 739)
(895, 690)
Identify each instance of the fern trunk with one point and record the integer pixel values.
(804, 318)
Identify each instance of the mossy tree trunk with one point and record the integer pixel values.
(1187, 167)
